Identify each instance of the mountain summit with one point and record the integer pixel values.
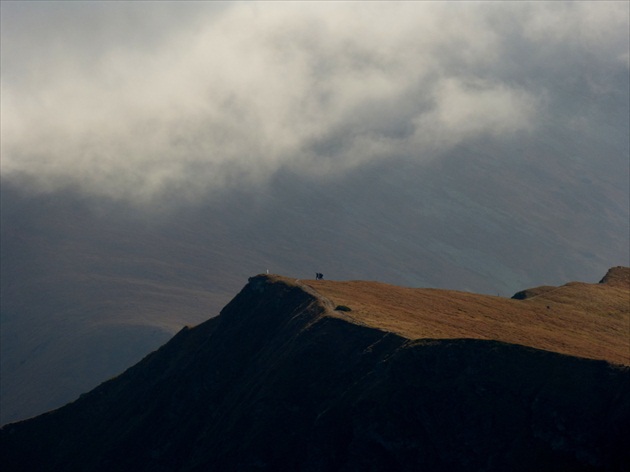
(352, 376)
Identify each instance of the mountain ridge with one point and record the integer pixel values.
(281, 381)
(579, 319)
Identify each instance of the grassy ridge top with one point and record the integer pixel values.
(578, 319)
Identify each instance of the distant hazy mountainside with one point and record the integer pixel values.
(406, 380)
(85, 294)
(89, 286)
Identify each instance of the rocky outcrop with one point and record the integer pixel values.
(275, 384)
(532, 292)
(617, 276)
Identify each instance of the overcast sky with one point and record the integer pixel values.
(129, 99)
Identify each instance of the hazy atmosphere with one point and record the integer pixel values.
(130, 100)
(154, 155)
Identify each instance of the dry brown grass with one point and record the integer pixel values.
(579, 319)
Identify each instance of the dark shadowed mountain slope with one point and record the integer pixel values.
(281, 380)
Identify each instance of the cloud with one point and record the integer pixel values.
(129, 100)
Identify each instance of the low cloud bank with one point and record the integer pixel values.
(133, 100)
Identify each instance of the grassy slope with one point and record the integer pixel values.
(579, 319)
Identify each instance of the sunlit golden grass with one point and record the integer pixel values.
(579, 319)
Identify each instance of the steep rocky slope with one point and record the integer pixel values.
(282, 381)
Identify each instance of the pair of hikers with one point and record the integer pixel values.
(319, 276)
